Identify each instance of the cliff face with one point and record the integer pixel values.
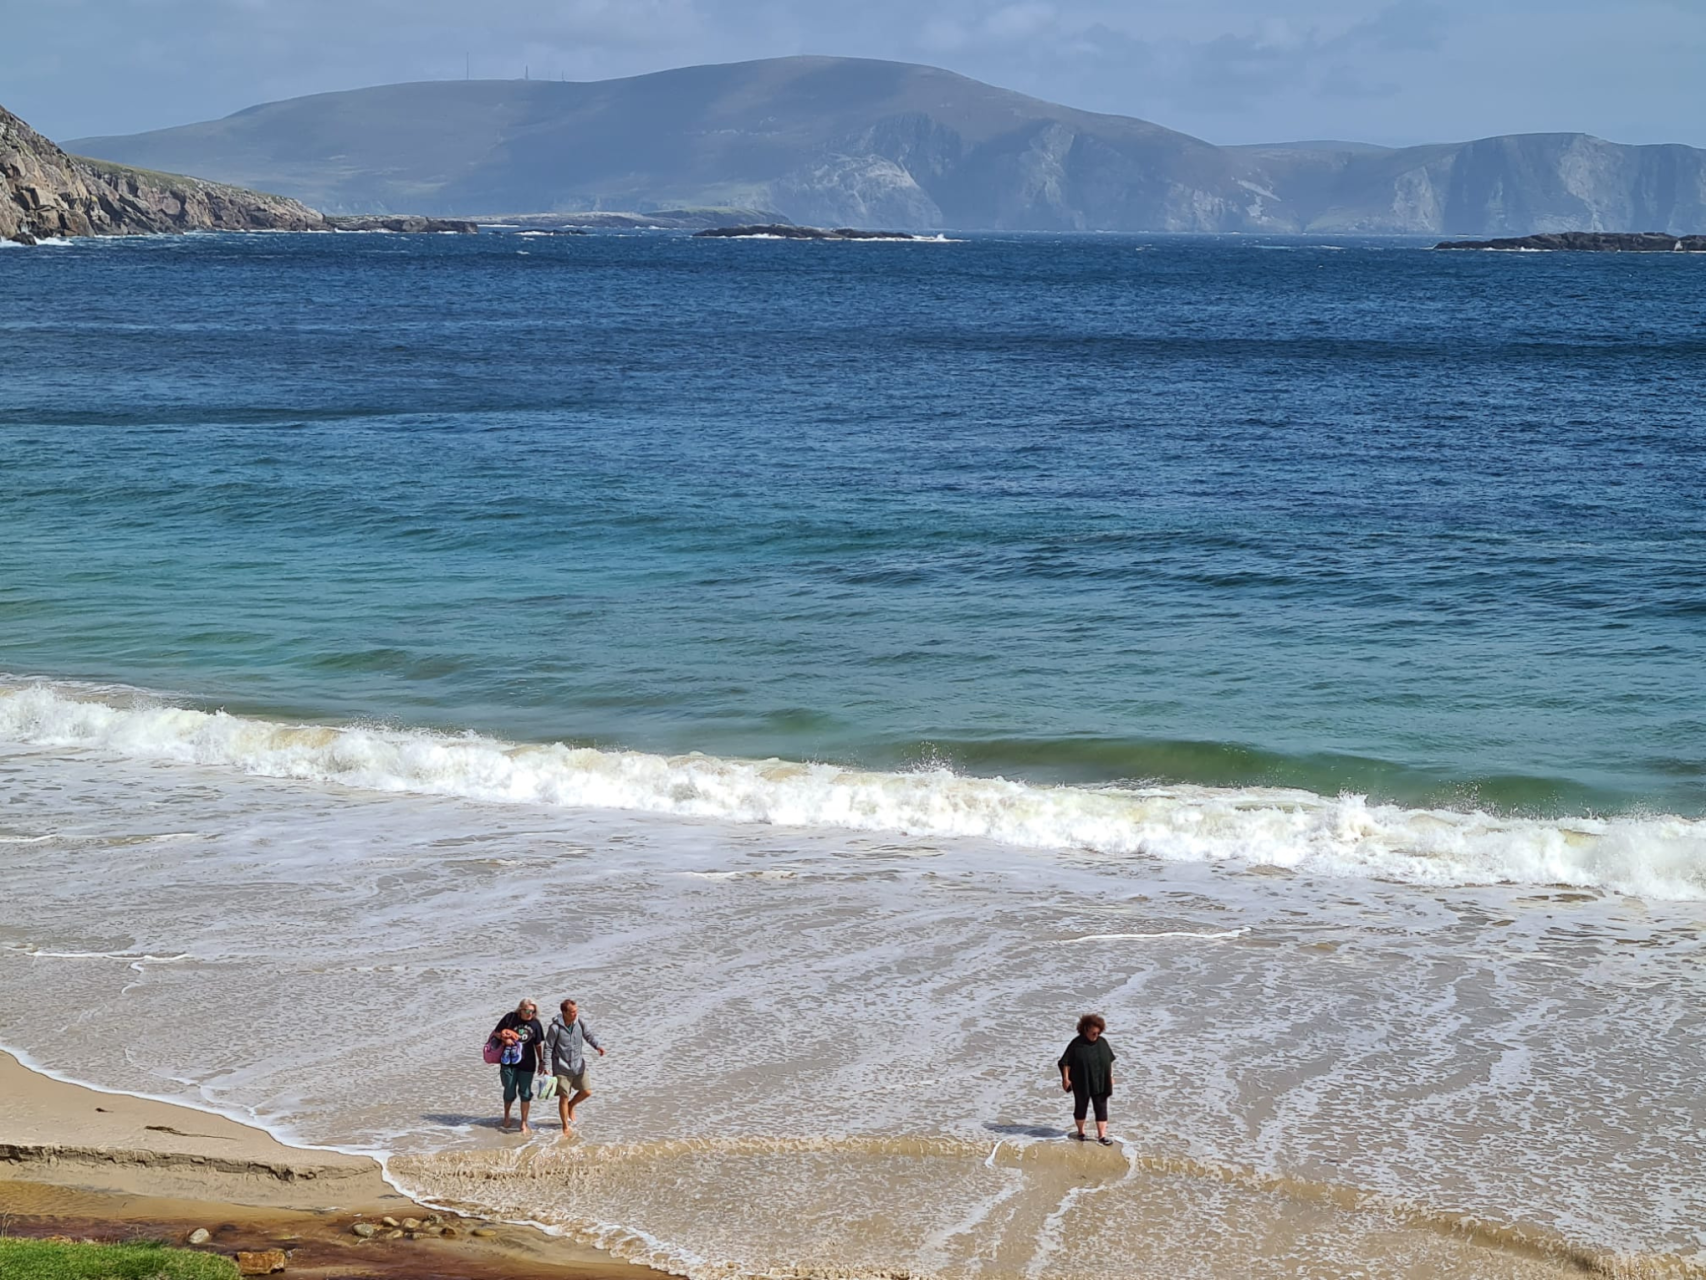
(1518, 184)
(45, 193)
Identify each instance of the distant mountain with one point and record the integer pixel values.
(853, 142)
(45, 193)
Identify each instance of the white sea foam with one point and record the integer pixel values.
(1660, 857)
(1216, 935)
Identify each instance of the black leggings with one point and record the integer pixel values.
(1081, 1101)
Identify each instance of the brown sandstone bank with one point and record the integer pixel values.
(82, 1164)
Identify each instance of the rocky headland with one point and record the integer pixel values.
(788, 231)
(46, 193)
(1588, 242)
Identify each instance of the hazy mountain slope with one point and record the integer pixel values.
(843, 140)
(1510, 185)
(46, 193)
(860, 142)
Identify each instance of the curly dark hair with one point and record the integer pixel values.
(1092, 1020)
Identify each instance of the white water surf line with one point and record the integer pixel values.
(1297, 831)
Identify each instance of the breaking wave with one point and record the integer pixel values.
(1652, 856)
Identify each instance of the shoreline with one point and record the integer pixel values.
(84, 1163)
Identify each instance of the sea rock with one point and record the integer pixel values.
(390, 1221)
(407, 224)
(200, 1235)
(449, 1232)
(788, 231)
(409, 1224)
(1590, 242)
(393, 1235)
(482, 1232)
(261, 1262)
(366, 1230)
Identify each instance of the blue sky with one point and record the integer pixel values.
(1389, 71)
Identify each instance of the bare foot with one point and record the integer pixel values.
(524, 1129)
(504, 1126)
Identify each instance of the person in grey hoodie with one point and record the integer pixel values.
(565, 1058)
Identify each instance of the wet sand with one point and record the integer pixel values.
(82, 1164)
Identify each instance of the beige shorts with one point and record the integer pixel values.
(575, 1082)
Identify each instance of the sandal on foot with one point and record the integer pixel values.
(1106, 1142)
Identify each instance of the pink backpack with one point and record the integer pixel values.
(494, 1051)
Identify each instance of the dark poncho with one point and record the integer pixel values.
(1091, 1066)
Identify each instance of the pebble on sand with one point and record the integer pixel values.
(200, 1235)
(366, 1230)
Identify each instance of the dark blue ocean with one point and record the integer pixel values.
(1352, 517)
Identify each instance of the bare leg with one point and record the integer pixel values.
(525, 1108)
(507, 1107)
(581, 1095)
(563, 1109)
(1101, 1128)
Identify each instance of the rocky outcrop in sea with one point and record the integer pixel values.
(1588, 242)
(407, 224)
(46, 193)
(788, 231)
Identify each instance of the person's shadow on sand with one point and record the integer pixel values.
(1026, 1130)
(452, 1120)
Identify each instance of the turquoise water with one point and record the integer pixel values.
(1367, 518)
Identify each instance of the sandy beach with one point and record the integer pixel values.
(81, 1163)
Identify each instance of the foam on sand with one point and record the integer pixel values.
(1657, 856)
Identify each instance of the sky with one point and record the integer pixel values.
(1394, 72)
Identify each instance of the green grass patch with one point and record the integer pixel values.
(112, 169)
(146, 1260)
(159, 178)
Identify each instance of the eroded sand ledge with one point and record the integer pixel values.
(79, 1162)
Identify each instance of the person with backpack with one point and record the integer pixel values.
(565, 1058)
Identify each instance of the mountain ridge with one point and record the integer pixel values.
(854, 142)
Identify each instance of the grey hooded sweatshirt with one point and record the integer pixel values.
(563, 1053)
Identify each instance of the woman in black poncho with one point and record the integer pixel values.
(1087, 1073)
